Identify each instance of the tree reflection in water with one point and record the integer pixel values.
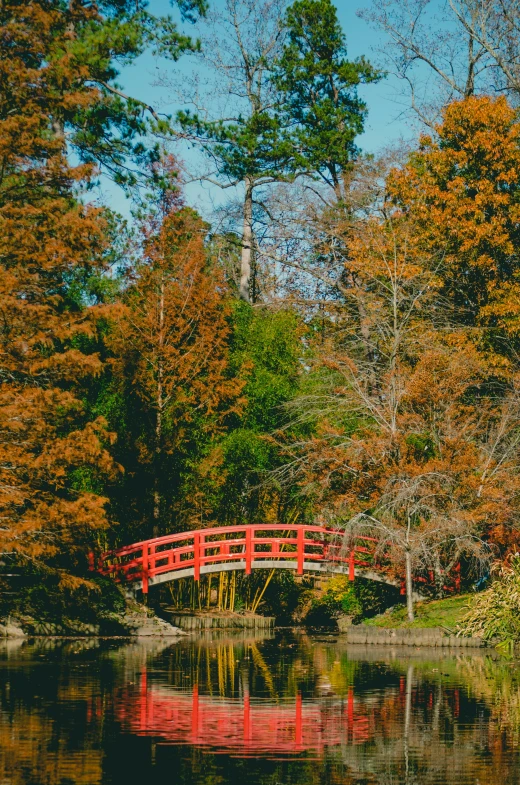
(291, 709)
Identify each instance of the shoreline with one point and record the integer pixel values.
(433, 637)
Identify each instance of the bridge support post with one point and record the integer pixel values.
(351, 565)
(300, 545)
(249, 549)
(145, 570)
(196, 556)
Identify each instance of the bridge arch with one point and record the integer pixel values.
(255, 546)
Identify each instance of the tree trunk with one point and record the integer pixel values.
(247, 242)
(409, 586)
(159, 414)
(439, 579)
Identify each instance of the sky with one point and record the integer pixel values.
(385, 123)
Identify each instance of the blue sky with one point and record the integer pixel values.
(384, 124)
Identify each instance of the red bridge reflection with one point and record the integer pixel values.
(244, 726)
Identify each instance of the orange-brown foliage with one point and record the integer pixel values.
(171, 345)
(412, 441)
(51, 452)
(463, 189)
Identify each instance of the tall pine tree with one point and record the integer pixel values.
(320, 105)
(246, 145)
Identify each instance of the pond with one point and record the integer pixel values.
(290, 709)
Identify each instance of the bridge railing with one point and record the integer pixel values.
(250, 545)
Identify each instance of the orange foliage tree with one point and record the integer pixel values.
(463, 188)
(409, 447)
(53, 454)
(171, 348)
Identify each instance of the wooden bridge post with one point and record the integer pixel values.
(248, 550)
(145, 569)
(300, 550)
(351, 565)
(196, 555)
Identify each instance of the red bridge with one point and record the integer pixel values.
(257, 546)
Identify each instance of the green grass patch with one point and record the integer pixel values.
(437, 613)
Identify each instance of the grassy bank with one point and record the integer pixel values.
(437, 613)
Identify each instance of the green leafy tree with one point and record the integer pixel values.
(266, 352)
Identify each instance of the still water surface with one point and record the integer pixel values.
(287, 710)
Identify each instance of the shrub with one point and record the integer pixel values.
(496, 612)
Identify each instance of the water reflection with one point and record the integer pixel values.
(291, 709)
(243, 726)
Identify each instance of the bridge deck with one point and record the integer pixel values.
(270, 564)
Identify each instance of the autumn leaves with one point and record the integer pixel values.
(419, 446)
